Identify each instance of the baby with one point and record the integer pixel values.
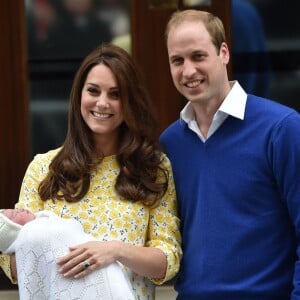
(38, 240)
(10, 225)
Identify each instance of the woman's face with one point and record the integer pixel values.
(101, 106)
(19, 216)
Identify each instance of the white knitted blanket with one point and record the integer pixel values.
(40, 243)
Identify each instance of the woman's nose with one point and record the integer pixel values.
(102, 102)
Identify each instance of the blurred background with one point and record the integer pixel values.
(265, 52)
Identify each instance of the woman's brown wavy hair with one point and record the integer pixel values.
(141, 175)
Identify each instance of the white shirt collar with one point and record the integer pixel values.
(235, 102)
(234, 105)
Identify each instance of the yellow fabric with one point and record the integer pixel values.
(107, 216)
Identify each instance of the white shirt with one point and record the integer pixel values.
(234, 105)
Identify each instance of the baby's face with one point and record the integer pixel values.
(19, 216)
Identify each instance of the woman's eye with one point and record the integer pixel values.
(92, 90)
(115, 94)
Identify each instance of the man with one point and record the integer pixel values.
(236, 163)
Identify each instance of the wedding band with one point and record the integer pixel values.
(86, 265)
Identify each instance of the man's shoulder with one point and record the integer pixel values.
(174, 127)
(175, 137)
(270, 105)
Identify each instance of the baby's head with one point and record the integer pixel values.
(11, 221)
(18, 215)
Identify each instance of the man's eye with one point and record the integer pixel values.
(198, 57)
(176, 61)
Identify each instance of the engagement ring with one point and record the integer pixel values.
(86, 265)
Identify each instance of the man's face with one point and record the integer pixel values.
(198, 69)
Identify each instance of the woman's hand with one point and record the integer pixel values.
(85, 258)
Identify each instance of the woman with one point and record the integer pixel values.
(111, 176)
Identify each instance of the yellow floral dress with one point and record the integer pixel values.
(108, 216)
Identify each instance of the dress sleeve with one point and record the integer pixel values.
(5, 266)
(163, 231)
(28, 199)
(37, 170)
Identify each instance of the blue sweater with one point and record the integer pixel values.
(239, 204)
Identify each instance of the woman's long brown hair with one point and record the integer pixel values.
(141, 175)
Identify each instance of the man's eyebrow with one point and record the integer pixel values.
(174, 56)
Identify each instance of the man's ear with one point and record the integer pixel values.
(224, 53)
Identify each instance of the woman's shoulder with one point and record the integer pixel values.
(165, 161)
(164, 157)
(41, 161)
(47, 156)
